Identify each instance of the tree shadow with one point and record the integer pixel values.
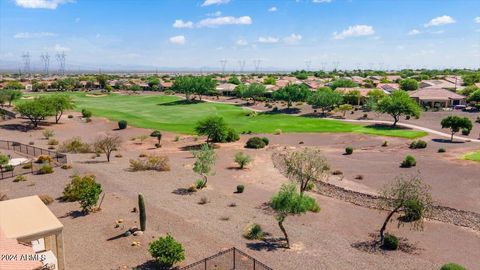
(386, 127)
(122, 235)
(92, 161)
(447, 141)
(151, 265)
(74, 214)
(236, 168)
(16, 127)
(373, 246)
(284, 111)
(181, 102)
(315, 115)
(193, 147)
(182, 191)
(268, 244)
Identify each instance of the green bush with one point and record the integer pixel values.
(75, 145)
(199, 184)
(242, 159)
(348, 150)
(122, 124)
(266, 140)
(45, 169)
(166, 251)
(418, 144)
(255, 143)
(253, 232)
(452, 266)
(73, 190)
(52, 141)
(390, 242)
(413, 210)
(20, 178)
(232, 135)
(310, 186)
(441, 150)
(240, 188)
(465, 131)
(7, 168)
(408, 162)
(86, 113)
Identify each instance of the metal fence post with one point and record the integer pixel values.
(205, 264)
(234, 258)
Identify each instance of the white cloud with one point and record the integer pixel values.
(292, 39)
(355, 31)
(477, 19)
(213, 22)
(242, 42)
(440, 21)
(272, 9)
(182, 24)
(60, 48)
(179, 40)
(321, 1)
(27, 35)
(413, 32)
(268, 39)
(438, 32)
(214, 2)
(47, 4)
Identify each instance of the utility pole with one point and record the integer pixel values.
(45, 58)
(26, 63)
(256, 64)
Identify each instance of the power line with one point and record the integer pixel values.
(61, 62)
(45, 58)
(26, 62)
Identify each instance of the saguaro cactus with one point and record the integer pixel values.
(143, 215)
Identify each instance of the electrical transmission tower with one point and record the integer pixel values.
(223, 63)
(61, 62)
(323, 64)
(26, 62)
(241, 64)
(46, 62)
(256, 64)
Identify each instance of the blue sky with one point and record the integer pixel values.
(286, 34)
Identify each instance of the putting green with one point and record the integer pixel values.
(474, 156)
(171, 113)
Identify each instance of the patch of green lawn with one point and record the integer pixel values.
(170, 113)
(474, 156)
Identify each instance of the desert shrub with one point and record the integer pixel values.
(31, 143)
(169, 92)
(310, 186)
(70, 116)
(45, 169)
(72, 190)
(441, 150)
(7, 168)
(408, 162)
(277, 131)
(46, 199)
(153, 163)
(337, 172)
(385, 144)
(349, 150)
(465, 131)
(420, 144)
(359, 177)
(66, 166)
(27, 166)
(452, 266)
(192, 188)
(203, 200)
(86, 113)
(199, 184)
(242, 159)
(478, 119)
(122, 124)
(166, 251)
(255, 143)
(413, 210)
(118, 156)
(390, 242)
(232, 135)
(48, 133)
(177, 138)
(88, 120)
(52, 141)
(142, 155)
(253, 232)
(75, 145)
(266, 140)
(44, 159)
(20, 178)
(240, 188)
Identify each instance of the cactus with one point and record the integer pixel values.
(143, 215)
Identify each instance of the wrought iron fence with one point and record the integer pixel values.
(230, 259)
(29, 150)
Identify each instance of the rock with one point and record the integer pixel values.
(120, 220)
(135, 244)
(127, 233)
(137, 233)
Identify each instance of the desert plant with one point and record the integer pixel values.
(44, 159)
(75, 145)
(465, 131)
(242, 159)
(255, 143)
(53, 141)
(46, 199)
(456, 123)
(66, 166)
(253, 232)
(232, 135)
(20, 178)
(203, 200)
(107, 144)
(122, 124)
(385, 144)
(408, 162)
(199, 184)
(307, 165)
(420, 144)
(27, 166)
(310, 186)
(142, 214)
(48, 133)
(240, 188)
(152, 163)
(266, 140)
(88, 195)
(157, 134)
(71, 192)
(166, 251)
(452, 266)
(204, 161)
(441, 150)
(278, 131)
(45, 169)
(86, 113)
(348, 150)
(390, 242)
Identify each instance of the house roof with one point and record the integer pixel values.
(435, 94)
(436, 84)
(226, 87)
(13, 248)
(388, 86)
(27, 219)
(363, 91)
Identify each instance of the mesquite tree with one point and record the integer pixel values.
(205, 160)
(455, 123)
(306, 165)
(107, 144)
(408, 197)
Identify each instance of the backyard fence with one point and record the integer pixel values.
(29, 150)
(230, 259)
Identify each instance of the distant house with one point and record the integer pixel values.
(363, 92)
(437, 84)
(437, 97)
(389, 87)
(226, 89)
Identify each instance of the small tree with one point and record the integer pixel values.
(214, 127)
(205, 160)
(292, 93)
(157, 134)
(12, 95)
(456, 123)
(304, 166)
(408, 84)
(107, 144)
(242, 159)
(407, 196)
(344, 108)
(289, 202)
(48, 133)
(325, 99)
(35, 110)
(167, 251)
(58, 104)
(397, 104)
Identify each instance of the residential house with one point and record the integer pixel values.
(437, 97)
(437, 84)
(389, 87)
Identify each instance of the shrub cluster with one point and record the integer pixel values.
(420, 144)
(240, 188)
(408, 162)
(85, 190)
(45, 169)
(153, 162)
(86, 113)
(122, 124)
(348, 150)
(253, 232)
(167, 251)
(75, 145)
(390, 242)
(452, 266)
(257, 142)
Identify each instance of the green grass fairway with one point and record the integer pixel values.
(474, 156)
(170, 113)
